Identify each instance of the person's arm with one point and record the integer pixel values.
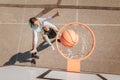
(55, 15)
(56, 29)
(34, 42)
(51, 17)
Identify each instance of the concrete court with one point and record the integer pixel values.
(33, 73)
(103, 17)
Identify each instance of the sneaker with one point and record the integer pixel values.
(33, 61)
(33, 55)
(58, 40)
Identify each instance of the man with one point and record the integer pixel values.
(45, 28)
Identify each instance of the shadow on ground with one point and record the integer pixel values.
(20, 57)
(49, 7)
(26, 56)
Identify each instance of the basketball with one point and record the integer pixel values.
(69, 38)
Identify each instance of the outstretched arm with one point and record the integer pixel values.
(51, 17)
(55, 15)
(34, 42)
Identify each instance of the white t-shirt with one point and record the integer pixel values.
(43, 22)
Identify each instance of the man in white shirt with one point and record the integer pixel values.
(44, 27)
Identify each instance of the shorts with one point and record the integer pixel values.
(51, 34)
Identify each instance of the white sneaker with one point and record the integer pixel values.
(53, 48)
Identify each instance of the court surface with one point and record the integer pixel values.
(102, 16)
(32, 73)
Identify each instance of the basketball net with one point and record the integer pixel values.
(79, 52)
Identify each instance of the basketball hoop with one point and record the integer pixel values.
(79, 52)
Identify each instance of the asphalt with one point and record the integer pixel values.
(102, 16)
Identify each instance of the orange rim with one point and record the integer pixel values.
(83, 26)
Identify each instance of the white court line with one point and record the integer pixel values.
(66, 23)
(77, 10)
(21, 29)
(14, 23)
(104, 24)
(96, 24)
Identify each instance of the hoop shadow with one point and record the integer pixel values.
(60, 6)
(47, 9)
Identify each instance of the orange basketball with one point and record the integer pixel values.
(69, 38)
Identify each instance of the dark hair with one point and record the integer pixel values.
(32, 20)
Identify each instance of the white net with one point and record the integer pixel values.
(84, 44)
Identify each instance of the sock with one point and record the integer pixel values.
(53, 48)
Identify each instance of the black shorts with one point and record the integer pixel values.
(51, 33)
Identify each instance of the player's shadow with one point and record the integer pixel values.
(26, 56)
(44, 45)
(20, 57)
